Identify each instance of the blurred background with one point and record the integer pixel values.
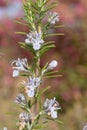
(71, 53)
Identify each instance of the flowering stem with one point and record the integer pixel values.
(36, 120)
(37, 74)
(35, 11)
(37, 68)
(38, 63)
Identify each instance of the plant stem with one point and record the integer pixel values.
(37, 67)
(37, 64)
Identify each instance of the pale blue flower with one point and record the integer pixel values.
(36, 46)
(34, 38)
(21, 99)
(50, 107)
(25, 117)
(31, 85)
(53, 18)
(15, 73)
(30, 91)
(20, 65)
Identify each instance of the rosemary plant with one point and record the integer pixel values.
(39, 19)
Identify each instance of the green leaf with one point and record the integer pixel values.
(52, 76)
(25, 74)
(55, 34)
(39, 94)
(39, 126)
(19, 22)
(52, 5)
(59, 26)
(34, 7)
(51, 72)
(12, 113)
(58, 121)
(23, 33)
(44, 68)
(25, 108)
(45, 2)
(43, 91)
(27, 47)
(50, 42)
(29, 104)
(46, 48)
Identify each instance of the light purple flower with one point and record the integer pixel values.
(21, 99)
(25, 117)
(15, 73)
(20, 65)
(50, 107)
(53, 18)
(31, 85)
(34, 38)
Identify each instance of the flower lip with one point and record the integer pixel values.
(15, 73)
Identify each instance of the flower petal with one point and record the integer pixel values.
(15, 73)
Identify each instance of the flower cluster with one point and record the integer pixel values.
(20, 65)
(24, 119)
(21, 99)
(34, 73)
(31, 85)
(50, 107)
(34, 39)
(53, 18)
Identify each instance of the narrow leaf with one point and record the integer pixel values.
(53, 76)
(55, 34)
(20, 23)
(59, 26)
(58, 121)
(24, 33)
(51, 72)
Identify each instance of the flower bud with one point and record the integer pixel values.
(15, 73)
(52, 65)
(25, 117)
(21, 99)
(53, 18)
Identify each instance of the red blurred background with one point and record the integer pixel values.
(70, 51)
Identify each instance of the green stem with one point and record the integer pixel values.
(37, 68)
(35, 120)
(38, 63)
